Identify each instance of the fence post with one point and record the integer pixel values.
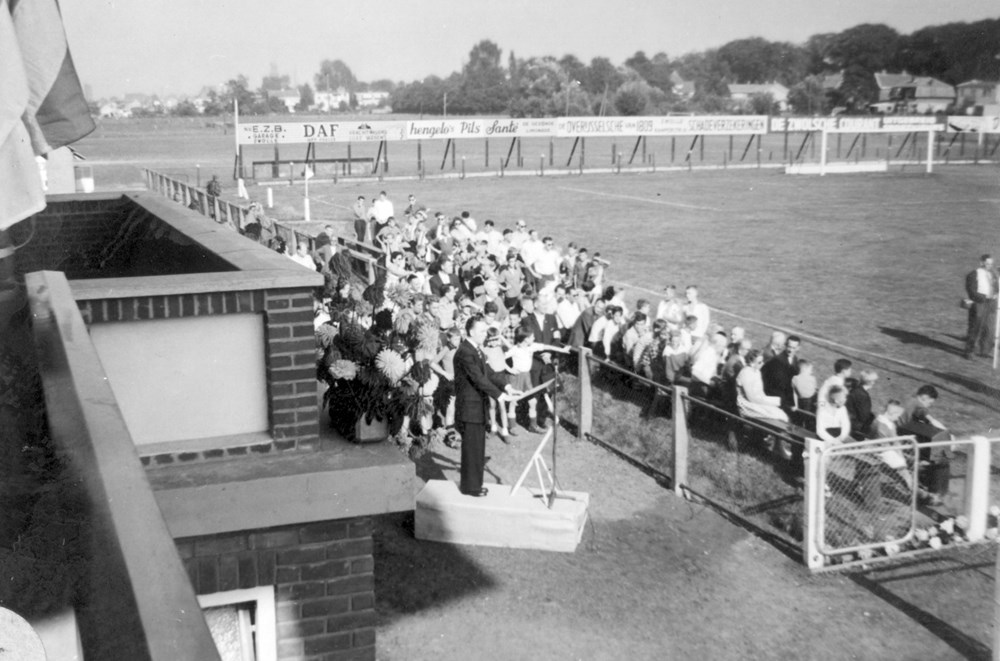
(810, 520)
(996, 606)
(586, 394)
(977, 488)
(680, 440)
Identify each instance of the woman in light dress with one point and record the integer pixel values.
(750, 396)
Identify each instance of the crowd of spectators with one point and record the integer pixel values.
(537, 297)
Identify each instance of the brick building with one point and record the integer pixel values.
(198, 365)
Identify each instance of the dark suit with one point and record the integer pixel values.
(440, 279)
(859, 410)
(545, 333)
(981, 315)
(777, 375)
(580, 332)
(474, 385)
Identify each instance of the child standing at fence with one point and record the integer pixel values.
(520, 356)
(444, 365)
(493, 351)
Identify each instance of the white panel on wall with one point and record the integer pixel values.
(178, 379)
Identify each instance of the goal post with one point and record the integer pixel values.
(869, 143)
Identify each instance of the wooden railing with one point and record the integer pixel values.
(136, 600)
(222, 211)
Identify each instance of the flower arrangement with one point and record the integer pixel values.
(375, 360)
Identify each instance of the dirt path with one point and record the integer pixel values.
(655, 577)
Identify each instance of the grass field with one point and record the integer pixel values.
(869, 266)
(874, 263)
(177, 145)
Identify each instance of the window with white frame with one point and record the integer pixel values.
(242, 623)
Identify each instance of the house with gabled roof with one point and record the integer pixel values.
(906, 93)
(978, 93)
(741, 93)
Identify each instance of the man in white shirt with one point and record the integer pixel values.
(302, 256)
(670, 309)
(546, 265)
(520, 235)
(383, 209)
(697, 309)
(567, 308)
(492, 237)
(705, 363)
(981, 289)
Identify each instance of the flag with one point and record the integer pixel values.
(21, 193)
(57, 110)
(42, 106)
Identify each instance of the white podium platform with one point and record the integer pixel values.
(522, 520)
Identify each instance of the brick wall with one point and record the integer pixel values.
(67, 234)
(323, 578)
(105, 237)
(290, 356)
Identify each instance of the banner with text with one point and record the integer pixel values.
(570, 127)
(264, 133)
(443, 129)
(974, 124)
(851, 123)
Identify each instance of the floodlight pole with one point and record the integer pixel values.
(996, 330)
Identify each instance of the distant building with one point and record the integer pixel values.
(740, 94)
(372, 99)
(683, 88)
(906, 93)
(833, 81)
(978, 93)
(111, 110)
(328, 101)
(290, 97)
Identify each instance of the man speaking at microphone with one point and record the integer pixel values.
(475, 384)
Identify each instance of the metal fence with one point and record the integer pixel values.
(751, 469)
(631, 415)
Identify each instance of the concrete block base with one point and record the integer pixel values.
(443, 514)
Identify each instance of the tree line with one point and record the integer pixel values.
(539, 86)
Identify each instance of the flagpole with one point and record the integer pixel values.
(996, 330)
(307, 175)
(238, 169)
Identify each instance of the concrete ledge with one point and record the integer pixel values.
(523, 521)
(343, 480)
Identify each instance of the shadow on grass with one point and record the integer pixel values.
(877, 582)
(412, 575)
(909, 337)
(971, 384)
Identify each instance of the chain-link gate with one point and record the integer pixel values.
(869, 497)
(896, 498)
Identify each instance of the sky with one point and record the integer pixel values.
(177, 47)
